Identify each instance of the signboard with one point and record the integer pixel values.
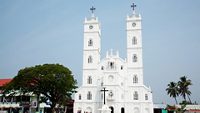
(34, 104)
(3, 111)
(25, 104)
(164, 111)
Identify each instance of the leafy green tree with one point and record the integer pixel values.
(53, 81)
(172, 90)
(181, 109)
(184, 84)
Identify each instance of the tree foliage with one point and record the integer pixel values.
(184, 84)
(53, 81)
(181, 109)
(172, 90)
(180, 88)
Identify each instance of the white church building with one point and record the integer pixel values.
(113, 81)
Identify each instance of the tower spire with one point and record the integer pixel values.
(92, 9)
(133, 7)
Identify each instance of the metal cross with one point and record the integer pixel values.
(92, 9)
(104, 92)
(133, 6)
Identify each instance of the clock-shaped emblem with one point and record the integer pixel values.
(111, 94)
(134, 24)
(91, 26)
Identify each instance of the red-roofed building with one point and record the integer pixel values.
(4, 81)
(25, 103)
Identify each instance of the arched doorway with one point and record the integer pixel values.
(112, 109)
(122, 110)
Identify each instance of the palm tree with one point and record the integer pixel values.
(172, 90)
(183, 85)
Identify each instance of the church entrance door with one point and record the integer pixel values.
(122, 110)
(112, 109)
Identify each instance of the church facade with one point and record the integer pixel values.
(113, 81)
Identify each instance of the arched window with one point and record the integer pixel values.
(146, 96)
(134, 40)
(90, 59)
(102, 67)
(89, 80)
(79, 96)
(135, 79)
(111, 78)
(89, 95)
(122, 96)
(135, 95)
(90, 42)
(101, 83)
(122, 67)
(134, 58)
(111, 65)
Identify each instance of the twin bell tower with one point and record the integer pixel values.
(113, 84)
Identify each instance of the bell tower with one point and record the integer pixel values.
(121, 80)
(134, 46)
(91, 51)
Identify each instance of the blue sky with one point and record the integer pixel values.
(51, 31)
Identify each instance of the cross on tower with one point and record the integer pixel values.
(133, 6)
(104, 97)
(92, 9)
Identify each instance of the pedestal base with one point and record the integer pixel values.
(105, 109)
